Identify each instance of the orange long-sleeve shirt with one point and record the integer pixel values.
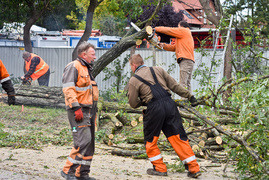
(184, 46)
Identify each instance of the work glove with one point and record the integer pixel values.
(78, 115)
(193, 101)
(26, 81)
(11, 100)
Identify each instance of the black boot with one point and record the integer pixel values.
(151, 171)
(85, 178)
(67, 176)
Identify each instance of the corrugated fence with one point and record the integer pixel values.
(58, 58)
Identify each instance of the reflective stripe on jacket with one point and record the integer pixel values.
(78, 87)
(5, 80)
(41, 68)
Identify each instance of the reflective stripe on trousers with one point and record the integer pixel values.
(83, 162)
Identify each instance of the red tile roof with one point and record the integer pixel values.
(192, 4)
(187, 16)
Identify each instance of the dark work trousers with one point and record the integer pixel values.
(44, 80)
(162, 115)
(79, 161)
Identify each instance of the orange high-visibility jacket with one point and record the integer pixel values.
(78, 87)
(5, 80)
(4, 76)
(184, 46)
(41, 68)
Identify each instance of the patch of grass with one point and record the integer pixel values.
(31, 114)
(34, 127)
(37, 140)
(178, 166)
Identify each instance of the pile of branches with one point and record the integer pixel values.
(206, 133)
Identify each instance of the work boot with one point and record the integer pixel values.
(67, 176)
(194, 175)
(151, 171)
(85, 178)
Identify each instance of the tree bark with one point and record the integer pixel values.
(36, 11)
(228, 68)
(127, 152)
(125, 43)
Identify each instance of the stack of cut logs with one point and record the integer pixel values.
(205, 142)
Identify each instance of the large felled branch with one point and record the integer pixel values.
(228, 85)
(125, 43)
(238, 139)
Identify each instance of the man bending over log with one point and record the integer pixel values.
(150, 86)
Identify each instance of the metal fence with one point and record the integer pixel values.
(58, 58)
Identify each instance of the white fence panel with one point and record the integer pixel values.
(58, 58)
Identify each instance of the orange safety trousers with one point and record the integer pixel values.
(182, 148)
(162, 115)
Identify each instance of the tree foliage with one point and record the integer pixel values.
(256, 10)
(78, 16)
(54, 19)
(249, 97)
(110, 18)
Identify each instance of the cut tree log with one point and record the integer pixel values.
(133, 123)
(202, 143)
(110, 136)
(40, 96)
(140, 119)
(214, 141)
(127, 152)
(218, 140)
(135, 140)
(123, 119)
(195, 148)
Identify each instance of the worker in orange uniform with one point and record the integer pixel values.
(7, 84)
(81, 96)
(36, 68)
(151, 86)
(184, 49)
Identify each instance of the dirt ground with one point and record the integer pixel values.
(22, 164)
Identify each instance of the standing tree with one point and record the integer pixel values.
(88, 28)
(35, 11)
(28, 11)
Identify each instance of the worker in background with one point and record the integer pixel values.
(151, 86)
(81, 96)
(184, 49)
(7, 84)
(36, 68)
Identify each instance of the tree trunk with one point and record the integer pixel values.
(35, 14)
(88, 28)
(114, 52)
(228, 67)
(40, 96)
(26, 36)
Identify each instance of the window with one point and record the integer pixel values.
(187, 14)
